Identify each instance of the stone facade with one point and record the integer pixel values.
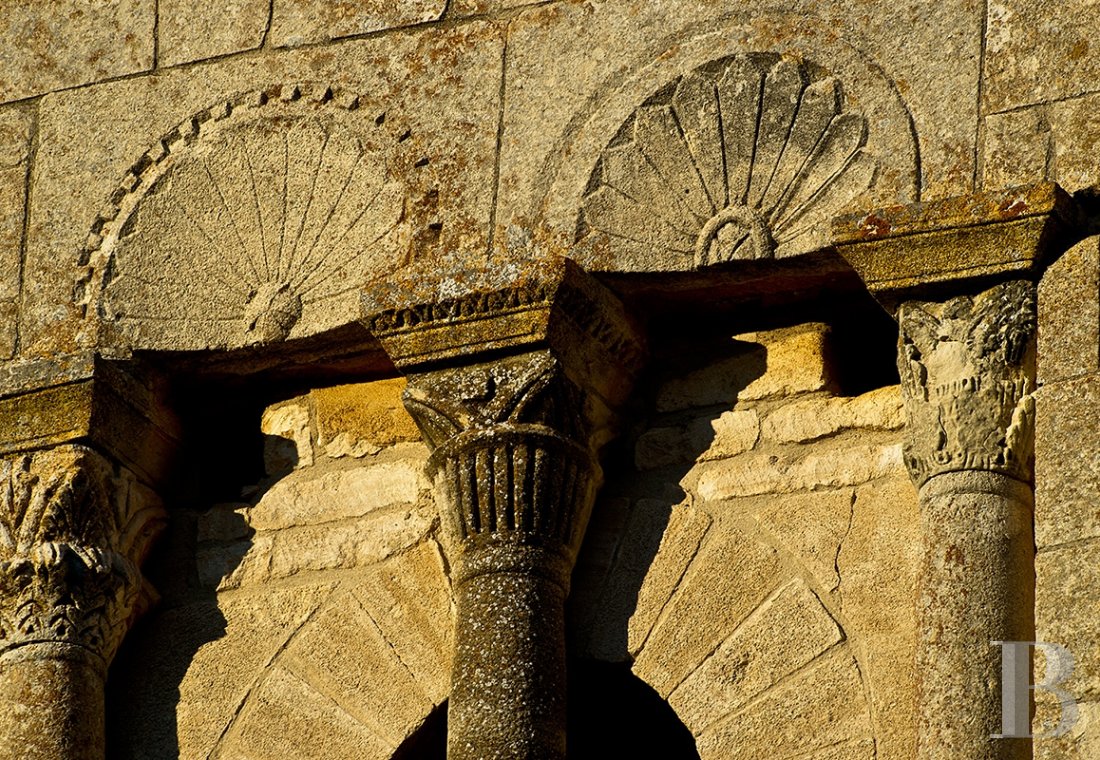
(421, 379)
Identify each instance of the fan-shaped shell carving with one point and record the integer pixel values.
(745, 158)
(257, 221)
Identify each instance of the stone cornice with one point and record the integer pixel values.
(912, 251)
(454, 315)
(87, 400)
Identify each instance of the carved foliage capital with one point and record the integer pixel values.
(967, 369)
(73, 532)
(511, 451)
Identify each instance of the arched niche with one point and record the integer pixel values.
(740, 141)
(257, 221)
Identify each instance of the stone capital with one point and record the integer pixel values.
(74, 529)
(514, 377)
(967, 368)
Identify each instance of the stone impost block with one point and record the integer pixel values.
(999, 233)
(428, 318)
(84, 399)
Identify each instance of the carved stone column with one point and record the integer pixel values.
(513, 384)
(76, 522)
(968, 371)
(967, 366)
(73, 532)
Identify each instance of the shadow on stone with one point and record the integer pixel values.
(206, 539)
(680, 400)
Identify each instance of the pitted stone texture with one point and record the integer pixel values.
(53, 708)
(1018, 148)
(288, 443)
(46, 47)
(822, 706)
(562, 123)
(1066, 599)
(827, 466)
(1069, 314)
(1052, 141)
(676, 645)
(975, 585)
(786, 632)
(877, 564)
(292, 552)
(16, 125)
(794, 359)
(90, 138)
(812, 527)
(191, 30)
(657, 545)
(733, 432)
(812, 419)
(297, 22)
(1083, 740)
(321, 495)
(475, 7)
(1067, 485)
(242, 668)
(1036, 52)
(183, 678)
(1075, 124)
(361, 419)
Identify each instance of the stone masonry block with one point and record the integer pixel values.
(50, 46)
(354, 420)
(1067, 597)
(1016, 148)
(794, 361)
(191, 30)
(1067, 471)
(297, 22)
(1069, 314)
(1037, 52)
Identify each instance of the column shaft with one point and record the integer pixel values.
(508, 686)
(968, 373)
(976, 586)
(52, 698)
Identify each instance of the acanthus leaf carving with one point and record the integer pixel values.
(743, 158)
(73, 533)
(967, 369)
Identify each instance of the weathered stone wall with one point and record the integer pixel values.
(754, 554)
(513, 137)
(1066, 487)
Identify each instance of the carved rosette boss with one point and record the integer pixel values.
(74, 530)
(513, 384)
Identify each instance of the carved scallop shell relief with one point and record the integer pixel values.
(257, 220)
(748, 157)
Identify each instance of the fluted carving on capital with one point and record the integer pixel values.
(74, 530)
(967, 369)
(511, 451)
(514, 374)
